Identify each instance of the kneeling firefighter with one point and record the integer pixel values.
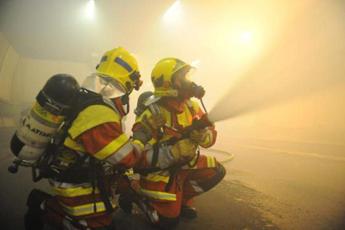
(88, 149)
(172, 170)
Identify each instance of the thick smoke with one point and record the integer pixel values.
(307, 57)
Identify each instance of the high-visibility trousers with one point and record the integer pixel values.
(167, 193)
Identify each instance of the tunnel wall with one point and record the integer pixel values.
(22, 77)
(8, 63)
(31, 75)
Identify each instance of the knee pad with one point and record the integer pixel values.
(219, 175)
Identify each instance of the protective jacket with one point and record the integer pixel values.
(161, 186)
(94, 144)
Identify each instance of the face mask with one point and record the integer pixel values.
(196, 90)
(190, 89)
(187, 88)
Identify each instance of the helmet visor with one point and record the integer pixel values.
(106, 86)
(111, 88)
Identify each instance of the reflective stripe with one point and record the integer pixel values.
(73, 192)
(192, 162)
(156, 178)
(120, 154)
(43, 121)
(45, 115)
(140, 146)
(185, 118)
(85, 209)
(112, 147)
(159, 195)
(196, 186)
(73, 145)
(211, 162)
(124, 64)
(67, 185)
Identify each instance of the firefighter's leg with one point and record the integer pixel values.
(168, 210)
(33, 217)
(205, 176)
(207, 173)
(168, 213)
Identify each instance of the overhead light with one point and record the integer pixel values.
(173, 14)
(246, 37)
(89, 10)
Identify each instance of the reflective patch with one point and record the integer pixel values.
(85, 209)
(112, 147)
(211, 162)
(45, 115)
(196, 187)
(157, 178)
(123, 63)
(73, 145)
(118, 155)
(73, 191)
(43, 121)
(159, 195)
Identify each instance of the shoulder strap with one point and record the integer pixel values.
(87, 98)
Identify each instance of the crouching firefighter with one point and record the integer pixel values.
(86, 158)
(172, 169)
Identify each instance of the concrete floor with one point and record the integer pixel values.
(265, 188)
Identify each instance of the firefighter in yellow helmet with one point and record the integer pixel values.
(94, 147)
(172, 170)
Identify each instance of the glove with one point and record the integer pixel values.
(198, 136)
(183, 149)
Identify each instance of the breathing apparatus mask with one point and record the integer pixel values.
(187, 88)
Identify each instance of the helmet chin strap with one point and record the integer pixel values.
(118, 103)
(125, 101)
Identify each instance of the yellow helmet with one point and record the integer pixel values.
(121, 66)
(163, 75)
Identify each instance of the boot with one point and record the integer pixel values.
(188, 212)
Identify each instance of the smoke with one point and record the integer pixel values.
(307, 57)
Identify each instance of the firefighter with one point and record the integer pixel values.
(83, 171)
(172, 170)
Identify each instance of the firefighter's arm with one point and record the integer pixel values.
(204, 137)
(182, 151)
(147, 127)
(97, 131)
(107, 142)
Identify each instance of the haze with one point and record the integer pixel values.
(273, 71)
